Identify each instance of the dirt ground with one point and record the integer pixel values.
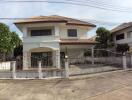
(108, 86)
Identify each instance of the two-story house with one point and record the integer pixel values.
(123, 34)
(50, 38)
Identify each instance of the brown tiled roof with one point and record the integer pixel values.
(121, 27)
(77, 41)
(55, 18)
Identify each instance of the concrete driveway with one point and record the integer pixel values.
(107, 86)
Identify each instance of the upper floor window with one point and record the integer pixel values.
(129, 34)
(72, 32)
(120, 36)
(42, 32)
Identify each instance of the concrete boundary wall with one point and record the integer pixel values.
(31, 74)
(5, 66)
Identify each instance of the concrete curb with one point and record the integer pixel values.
(96, 74)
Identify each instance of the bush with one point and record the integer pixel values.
(122, 48)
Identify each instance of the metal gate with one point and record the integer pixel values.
(129, 60)
(95, 61)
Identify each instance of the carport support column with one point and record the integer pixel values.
(57, 56)
(124, 62)
(25, 60)
(92, 54)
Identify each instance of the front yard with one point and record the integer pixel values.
(108, 86)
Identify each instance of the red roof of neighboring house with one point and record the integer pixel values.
(76, 41)
(55, 18)
(121, 27)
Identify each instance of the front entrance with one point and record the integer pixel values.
(44, 57)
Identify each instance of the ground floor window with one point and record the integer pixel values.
(45, 57)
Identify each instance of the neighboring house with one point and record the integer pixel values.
(51, 38)
(93, 38)
(123, 34)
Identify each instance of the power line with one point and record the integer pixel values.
(65, 2)
(104, 3)
(101, 4)
(101, 22)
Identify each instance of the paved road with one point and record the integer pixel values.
(108, 86)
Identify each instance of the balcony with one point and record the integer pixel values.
(38, 39)
(127, 40)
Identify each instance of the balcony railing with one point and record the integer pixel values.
(127, 40)
(40, 39)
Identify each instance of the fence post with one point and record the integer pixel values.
(124, 61)
(66, 67)
(13, 63)
(40, 70)
(131, 60)
(92, 55)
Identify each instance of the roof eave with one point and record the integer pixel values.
(81, 24)
(17, 23)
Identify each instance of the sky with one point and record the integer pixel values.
(100, 17)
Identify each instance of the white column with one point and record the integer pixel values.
(125, 35)
(92, 54)
(57, 58)
(25, 60)
(40, 70)
(53, 58)
(57, 31)
(24, 32)
(124, 62)
(13, 63)
(29, 59)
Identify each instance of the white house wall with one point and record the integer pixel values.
(81, 31)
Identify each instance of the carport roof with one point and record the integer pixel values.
(77, 41)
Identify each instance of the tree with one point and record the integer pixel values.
(15, 41)
(18, 51)
(103, 37)
(8, 40)
(122, 48)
